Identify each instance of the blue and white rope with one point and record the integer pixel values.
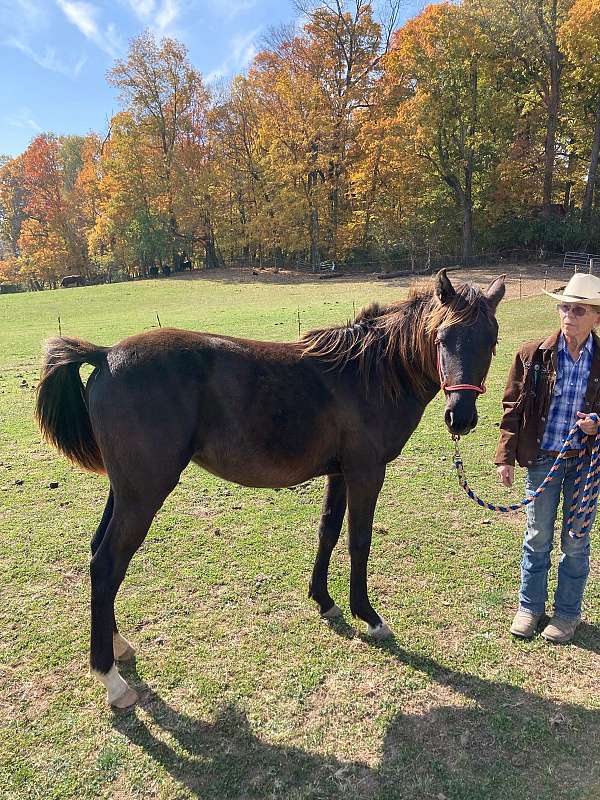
(581, 510)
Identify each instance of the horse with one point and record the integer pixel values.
(72, 280)
(341, 403)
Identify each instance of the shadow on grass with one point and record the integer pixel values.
(496, 742)
(587, 637)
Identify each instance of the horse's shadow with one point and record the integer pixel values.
(492, 740)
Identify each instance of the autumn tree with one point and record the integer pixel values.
(52, 238)
(439, 87)
(579, 37)
(13, 200)
(163, 94)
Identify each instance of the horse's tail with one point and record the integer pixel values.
(61, 408)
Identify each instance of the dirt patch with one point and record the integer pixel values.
(523, 280)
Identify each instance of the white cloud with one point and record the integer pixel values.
(23, 118)
(46, 59)
(231, 8)
(85, 18)
(25, 27)
(158, 16)
(31, 12)
(243, 50)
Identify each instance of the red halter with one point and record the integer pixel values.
(459, 386)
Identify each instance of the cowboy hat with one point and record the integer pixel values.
(582, 288)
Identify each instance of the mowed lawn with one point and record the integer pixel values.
(246, 692)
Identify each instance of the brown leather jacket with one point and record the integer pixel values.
(527, 396)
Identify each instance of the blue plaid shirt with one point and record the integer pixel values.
(569, 392)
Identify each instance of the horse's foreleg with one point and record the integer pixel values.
(126, 531)
(332, 516)
(363, 491)
(122, 649)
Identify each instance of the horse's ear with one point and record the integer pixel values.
(444, 291)
(495, 292)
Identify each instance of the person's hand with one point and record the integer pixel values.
(587, 424)
(506, 474)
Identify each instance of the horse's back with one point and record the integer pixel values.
(252, 412)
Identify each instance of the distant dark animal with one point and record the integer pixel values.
(8, 288)
(166, 270)
(555, 211)
(72, 280)
(342, 402)
(186, 264)
(153, 271)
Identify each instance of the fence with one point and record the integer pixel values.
(582, 262)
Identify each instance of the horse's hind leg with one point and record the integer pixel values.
(122, 649)
(126, 531)
(363, 491)
(332, 516)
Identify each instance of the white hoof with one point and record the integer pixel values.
(122, 649)
(126, 700)
(118, 692)
(333, 612)
(381, 631)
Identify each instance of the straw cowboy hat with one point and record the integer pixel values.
(582, 288)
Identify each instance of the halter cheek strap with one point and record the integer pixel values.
(459, 387)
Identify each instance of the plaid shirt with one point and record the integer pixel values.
(569, 392)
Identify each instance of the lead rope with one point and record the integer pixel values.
(581, 510)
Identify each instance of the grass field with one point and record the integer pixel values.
(246, 692)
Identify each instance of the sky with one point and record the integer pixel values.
(54, 54)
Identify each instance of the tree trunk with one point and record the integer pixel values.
(467, 234)
(314, 239)
(552, 120)
(212, 259)
(586, 206)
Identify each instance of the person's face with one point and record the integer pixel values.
(577, 319)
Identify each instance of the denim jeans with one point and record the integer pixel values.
(574, 563)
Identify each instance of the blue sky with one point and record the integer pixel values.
(54, 54)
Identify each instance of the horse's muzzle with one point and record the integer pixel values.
(460, 421)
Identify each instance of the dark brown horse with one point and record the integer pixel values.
(342, 403)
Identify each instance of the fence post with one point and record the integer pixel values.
(591, 266)
(520, 287)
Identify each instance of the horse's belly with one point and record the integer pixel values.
(264, 474)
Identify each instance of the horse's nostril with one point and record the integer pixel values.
(449, 418)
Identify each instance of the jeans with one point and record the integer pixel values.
(574, 563)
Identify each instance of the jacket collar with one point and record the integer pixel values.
(551, 343)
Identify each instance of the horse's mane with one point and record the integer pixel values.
(395, 343)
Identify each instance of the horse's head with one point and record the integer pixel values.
(465, 343)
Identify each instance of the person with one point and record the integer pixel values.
(553, 384)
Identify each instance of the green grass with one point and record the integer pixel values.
(246, 692)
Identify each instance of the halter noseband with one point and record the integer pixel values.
(459, 387)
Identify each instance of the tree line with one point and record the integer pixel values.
(475, 126)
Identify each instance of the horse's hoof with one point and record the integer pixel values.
(127, 655)
(381, 631)
(334, 611)
(127, 699)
